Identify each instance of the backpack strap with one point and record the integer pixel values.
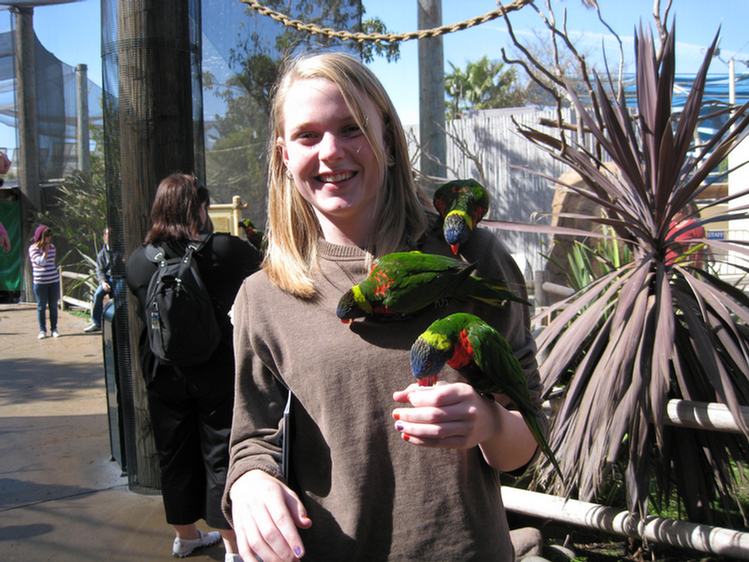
(157, 254)
(194, 248)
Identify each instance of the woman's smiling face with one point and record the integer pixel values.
(330, 159)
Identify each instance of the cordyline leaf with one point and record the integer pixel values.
(738, 246)
(662, 348)
(729, 134)
(565, 348)
(690, 116)
(542, 228)
(601, 137)
(638, 466)
(627, 382)
(629, 292)
(624, 144)
(722, 305)
(647, 74)
(666, 170)
(718, 155)
(604, 190)
(591, 294)
(731, 297)
(706, 353)
(647, 331)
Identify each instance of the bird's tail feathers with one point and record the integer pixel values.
(538, 434)
(489, 291)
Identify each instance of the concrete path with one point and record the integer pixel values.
(61, 497)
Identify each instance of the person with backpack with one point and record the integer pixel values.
(185, 279)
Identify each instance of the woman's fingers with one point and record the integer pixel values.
(266, 515)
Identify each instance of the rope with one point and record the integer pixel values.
(383, 37)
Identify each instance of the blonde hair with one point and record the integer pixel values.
(293, 228)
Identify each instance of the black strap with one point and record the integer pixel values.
(157, 254)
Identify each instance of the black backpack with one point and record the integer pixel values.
(180, 318)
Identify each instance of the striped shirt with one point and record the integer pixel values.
(44, 270)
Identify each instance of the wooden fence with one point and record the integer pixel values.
(66, 299)
(511, 166)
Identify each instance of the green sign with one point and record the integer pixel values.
(11, 264)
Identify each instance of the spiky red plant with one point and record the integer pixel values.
(649, 331)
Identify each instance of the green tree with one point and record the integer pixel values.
(81, 211)
(484, 84)
(236, 158)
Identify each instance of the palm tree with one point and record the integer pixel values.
(483, 85)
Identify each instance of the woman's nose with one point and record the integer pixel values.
(331, 147)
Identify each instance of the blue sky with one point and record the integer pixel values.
(72, 32)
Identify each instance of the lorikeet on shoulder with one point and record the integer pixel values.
(403, 283)
(254, 235)
(462, 204)
(479, 353)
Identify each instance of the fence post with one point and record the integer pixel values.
(540, 276)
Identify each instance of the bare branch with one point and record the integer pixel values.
(660, 25)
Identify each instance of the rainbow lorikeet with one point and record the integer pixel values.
(462, 204)
(479, 353)
(403, 283)
(254, 235)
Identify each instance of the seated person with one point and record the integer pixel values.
(104, 262)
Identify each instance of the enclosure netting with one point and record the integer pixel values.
(234, 59)
(56, 103)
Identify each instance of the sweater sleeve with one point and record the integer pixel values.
(36, 256)
(259, 401)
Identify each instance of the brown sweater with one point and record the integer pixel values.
(371, 496)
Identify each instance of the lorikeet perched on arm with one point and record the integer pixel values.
(405, 282)
(462, 204)
(479, 353)
(254, 235)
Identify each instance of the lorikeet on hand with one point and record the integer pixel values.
(462, 204)
(254, 235)
(405, 282)
(479, 353)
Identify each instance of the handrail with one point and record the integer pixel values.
(704, 538)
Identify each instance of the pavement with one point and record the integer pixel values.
(62, 496)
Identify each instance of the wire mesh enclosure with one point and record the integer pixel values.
(187, 88)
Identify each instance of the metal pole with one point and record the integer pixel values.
(81, 134)
(431, 94)
(705, 538)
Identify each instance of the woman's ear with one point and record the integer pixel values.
(281, 147)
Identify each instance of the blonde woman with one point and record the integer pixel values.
(376, 470)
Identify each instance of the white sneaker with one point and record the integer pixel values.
(55, 334)
(182, 548)
(41, 335)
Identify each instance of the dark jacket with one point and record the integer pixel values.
(224, 262)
